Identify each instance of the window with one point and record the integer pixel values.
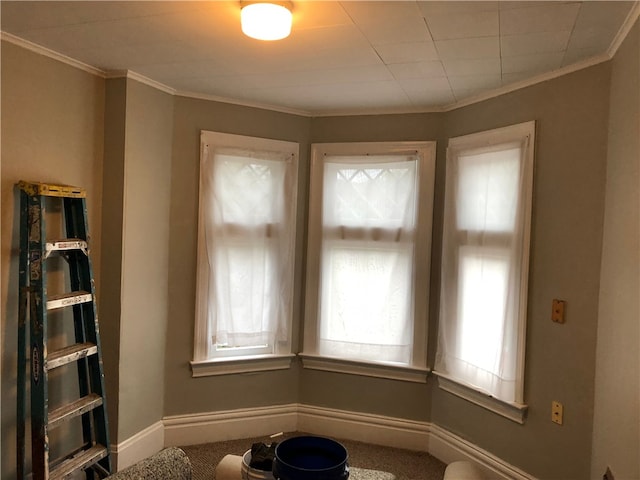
(368, 257)
(245, 249)
(485, 257)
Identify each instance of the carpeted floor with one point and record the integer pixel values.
(402, 464)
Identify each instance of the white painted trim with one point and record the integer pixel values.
(232, 365)
(393, 372)
(615, 44)
(513, 411)
(364, 427)
(449, 448)
(192, 429)
(142, 445)
(39, 49)
(589, 62)
(629, 22)
(140, 78)
(242, 103)
(340, 424)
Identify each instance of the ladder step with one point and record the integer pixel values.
(70, 354)
(82, 460)
(68, 299)
(66, 244)
(73, 409)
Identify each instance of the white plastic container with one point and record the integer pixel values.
(249, 473)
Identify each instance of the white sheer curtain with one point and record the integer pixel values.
(247, 216)
(367, 256)
(485, 240)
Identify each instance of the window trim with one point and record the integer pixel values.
(246, 364)
(513, 411)
(367, 369)
(486, 140)
(418, 369)
(204, 364)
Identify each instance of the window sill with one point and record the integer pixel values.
(233, 365)
(513, 411)
(354, 367)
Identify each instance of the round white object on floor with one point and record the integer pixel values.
(229, 468)
(249, 473)
(462, 471)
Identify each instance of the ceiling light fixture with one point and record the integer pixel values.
(266, 20)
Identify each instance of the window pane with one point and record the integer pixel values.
(487, 190)
(249, 189)
(484, 275)
(367, 257)
(485, 249)
(245, 294)
(249, 193)
(366, 295)
(374, 195)
(245, 246)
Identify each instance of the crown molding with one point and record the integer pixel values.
(528, 82)
(39, 49)
(233, 101)
(629, 22)
(622, 33)
(377, 111)
(139, 78)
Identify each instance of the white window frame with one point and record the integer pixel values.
(524, 132)
(417, 370)
(240, 359)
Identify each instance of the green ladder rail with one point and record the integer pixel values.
(34, 304)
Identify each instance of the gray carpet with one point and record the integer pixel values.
(402, 464)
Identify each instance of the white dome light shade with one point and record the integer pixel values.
(266, 21)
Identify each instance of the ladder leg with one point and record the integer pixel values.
(23, 298)
(86, 320)
(38, 329)
(73, 231)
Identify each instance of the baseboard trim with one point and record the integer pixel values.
(229, 425)
(363, 427)
(141, 445)
(449, 447)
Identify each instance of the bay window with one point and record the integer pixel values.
(245, 250)
(368, 258)
(485, 257)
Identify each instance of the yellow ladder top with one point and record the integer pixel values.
(51, 190)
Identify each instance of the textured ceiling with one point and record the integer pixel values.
(341, 57)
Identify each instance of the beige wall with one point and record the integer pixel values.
(571, 115)
(567, 229)
(570, 160)
(52, 131)
(137, 183)
(145, 257)
(112, 222)
(186, 394)
(616, 425)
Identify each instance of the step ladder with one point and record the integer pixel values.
(35, 305)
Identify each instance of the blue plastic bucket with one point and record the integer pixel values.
(310, 458)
